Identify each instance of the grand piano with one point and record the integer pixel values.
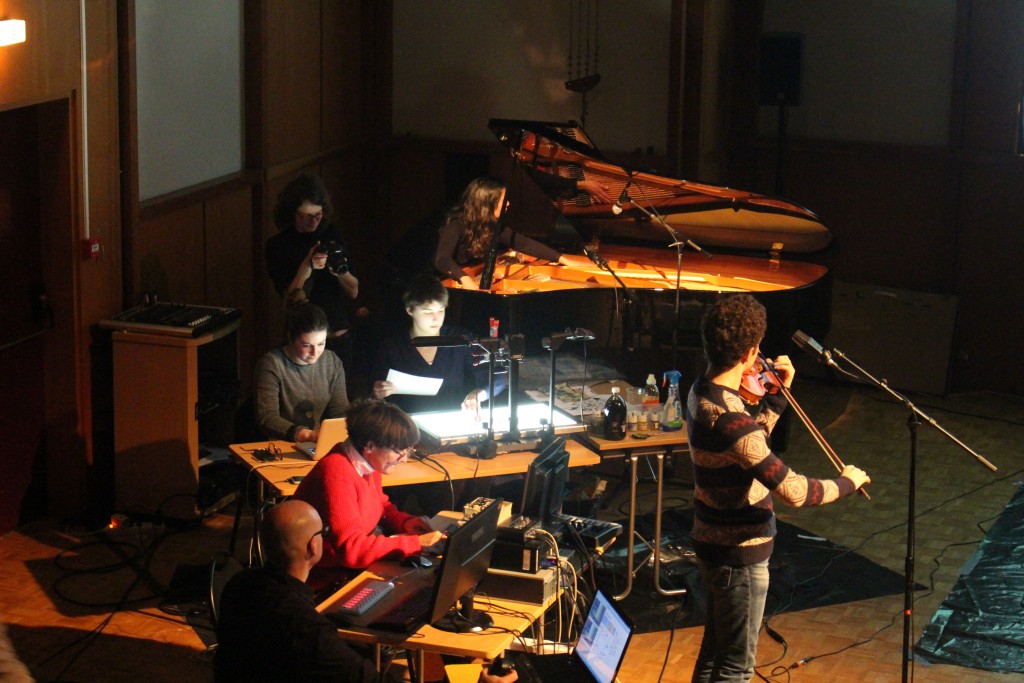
(642, 290)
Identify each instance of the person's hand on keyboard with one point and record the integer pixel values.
(417, 525)
(431, 542)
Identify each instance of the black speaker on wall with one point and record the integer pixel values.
(780, 68)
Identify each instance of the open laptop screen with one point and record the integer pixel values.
(603, 642)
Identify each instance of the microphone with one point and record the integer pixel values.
(623, 198)
(449, 340)
(804, 341)
(554, 342)
(580, 334)
(595, 257)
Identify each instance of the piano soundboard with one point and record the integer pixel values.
(178, 320)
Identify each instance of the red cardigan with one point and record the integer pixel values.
(353, 506)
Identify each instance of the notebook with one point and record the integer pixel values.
(595, 659)
(332, 432)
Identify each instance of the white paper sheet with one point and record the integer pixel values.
(414, 385)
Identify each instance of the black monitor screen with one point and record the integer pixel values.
(466, 559)
(545, 483)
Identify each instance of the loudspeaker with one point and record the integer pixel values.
(780, 68)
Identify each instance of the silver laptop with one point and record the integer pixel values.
(332, 432)
(596, 658)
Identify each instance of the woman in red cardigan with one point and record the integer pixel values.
(345, 488)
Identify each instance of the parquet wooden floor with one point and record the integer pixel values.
(60, 590)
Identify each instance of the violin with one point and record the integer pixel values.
(762, 374)
(757, 382)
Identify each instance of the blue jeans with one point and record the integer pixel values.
(736, 597)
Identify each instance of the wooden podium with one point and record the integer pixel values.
(166, 388)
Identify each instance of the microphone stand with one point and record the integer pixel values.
(552, 344)
(628, 298)
(487, 448)
(913, 421)
(679, 244)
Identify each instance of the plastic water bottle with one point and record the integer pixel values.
(614, 416)
(673, 418)
(652, 397)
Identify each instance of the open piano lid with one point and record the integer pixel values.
(710, 215)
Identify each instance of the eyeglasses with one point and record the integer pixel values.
(309, 217)
(322, 532)
(405, 452)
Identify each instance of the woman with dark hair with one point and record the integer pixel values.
(468, 232)
(309, 254)
(301, 382)
(463, 383)
(345, 488)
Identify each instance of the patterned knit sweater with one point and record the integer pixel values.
(353, 506)
(735, 474)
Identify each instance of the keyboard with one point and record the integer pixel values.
(408, 613)
(364, 598)
(594, 533)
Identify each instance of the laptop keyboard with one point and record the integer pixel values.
(408, 613)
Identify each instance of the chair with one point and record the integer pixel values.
(223, 566)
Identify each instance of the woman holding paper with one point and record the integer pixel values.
(462, 383)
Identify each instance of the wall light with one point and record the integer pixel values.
(12, 31)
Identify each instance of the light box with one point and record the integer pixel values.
(455, 427)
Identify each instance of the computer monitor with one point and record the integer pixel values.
(545, 484)
(466, 559)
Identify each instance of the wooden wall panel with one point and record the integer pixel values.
(891, 209)
(170, 258)
(292, 100)
(342, 68)
(992, 61)
(101, 279)
(989, 278)
(47, 65)
(229, 265)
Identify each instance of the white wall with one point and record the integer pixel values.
(873, 70)
(459, 63)
(189, 82)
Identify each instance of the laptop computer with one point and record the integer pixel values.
(332, 432)
(596, 658)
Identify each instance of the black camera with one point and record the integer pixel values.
(337, 260)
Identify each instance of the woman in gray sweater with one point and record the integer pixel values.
(300, 383)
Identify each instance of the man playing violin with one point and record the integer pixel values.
(736, 476)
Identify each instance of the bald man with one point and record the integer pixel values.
(269, 629)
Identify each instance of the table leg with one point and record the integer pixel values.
(632, 528)
(657, 531)
(237, 522)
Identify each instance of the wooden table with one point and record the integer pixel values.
(509, 617)
(275, 474)
(659, 445)
(272, 478)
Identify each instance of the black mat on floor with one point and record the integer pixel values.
(979, 624)
(806, 571)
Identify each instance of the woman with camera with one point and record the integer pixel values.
(309, 255)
